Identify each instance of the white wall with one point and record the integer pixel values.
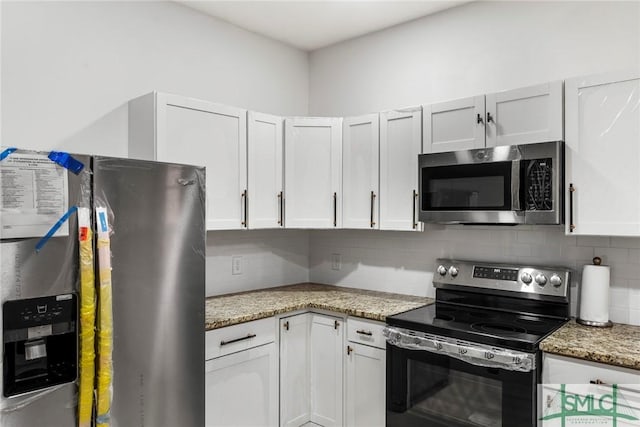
(268, 258)
(477, 48)
(473, 49)
(68, 69)
(404, 262)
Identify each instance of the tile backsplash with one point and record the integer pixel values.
(403, 262)
(266, 258)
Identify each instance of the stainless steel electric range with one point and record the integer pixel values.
(472, 358)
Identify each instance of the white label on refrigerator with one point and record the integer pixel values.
(34, 194)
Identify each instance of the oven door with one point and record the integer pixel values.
(475, 186)
(427, 389)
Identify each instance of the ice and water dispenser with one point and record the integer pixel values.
(40, 343)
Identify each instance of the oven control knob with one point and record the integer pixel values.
(442, 270)
(453, 271)
(541, 279)
(555, 280)
(526, 278)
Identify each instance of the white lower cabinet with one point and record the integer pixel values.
(568, 370)
(366, 369)
(241, 388)
(571, 384)
(294, 370)
(326, 369)
(311, 370)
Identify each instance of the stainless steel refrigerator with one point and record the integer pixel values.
(156, 212)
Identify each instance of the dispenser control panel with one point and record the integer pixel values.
(40, 341)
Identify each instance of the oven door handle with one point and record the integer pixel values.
(472, 353)
(516, 203)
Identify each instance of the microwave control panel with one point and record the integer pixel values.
(538, 185)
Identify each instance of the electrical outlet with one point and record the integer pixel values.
(236, 265)
(336, 262)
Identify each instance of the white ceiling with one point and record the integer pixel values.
(310, 25)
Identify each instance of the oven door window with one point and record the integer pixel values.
(484, 186)
(429, 390)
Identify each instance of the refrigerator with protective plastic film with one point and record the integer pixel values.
(102, 291)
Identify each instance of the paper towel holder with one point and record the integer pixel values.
(596, 261)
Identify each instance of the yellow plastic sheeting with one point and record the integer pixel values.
(105, 323)
(87, 325)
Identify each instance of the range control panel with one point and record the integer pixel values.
(526, 280)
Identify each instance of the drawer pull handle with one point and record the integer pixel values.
(248, 337)
(363, 332)
(599, 382)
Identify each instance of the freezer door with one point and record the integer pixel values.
(27, 274)
(158, 274)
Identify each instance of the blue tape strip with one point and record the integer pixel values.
(55, 228)
(66, 161)
(6, 152)
(102, 216)
(104, 418)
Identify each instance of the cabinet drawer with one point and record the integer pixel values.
(239, 337)
(566, 370)
(366, 332)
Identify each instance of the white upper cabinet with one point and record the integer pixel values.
(400, 144)
(313, 172)
(264, 159)
(603, 154)
(177, 129)
(454, 125)
(526, 115)
(521, 116)
(360, 151)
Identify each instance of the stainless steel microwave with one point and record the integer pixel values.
(515, 184)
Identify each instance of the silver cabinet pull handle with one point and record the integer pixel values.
(373, 201)
(572, 190)
(248, 337)
(244, 197)
(414, 224)
(281, 207)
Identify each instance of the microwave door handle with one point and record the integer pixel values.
(516, 204)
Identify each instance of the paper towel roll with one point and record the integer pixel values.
(594, 295)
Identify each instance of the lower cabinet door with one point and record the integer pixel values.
(326, 370)
(242, 388)
(365, 386)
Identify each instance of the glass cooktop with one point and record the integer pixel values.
(486, 326)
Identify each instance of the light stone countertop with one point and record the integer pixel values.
(618, 345)
(231, 309)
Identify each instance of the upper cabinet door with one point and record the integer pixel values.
(603, 154)
(400, 144)
(177, 129)
(360, 150)
(313, 172)
(523, 116)
(264, 159)
(454, 125)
